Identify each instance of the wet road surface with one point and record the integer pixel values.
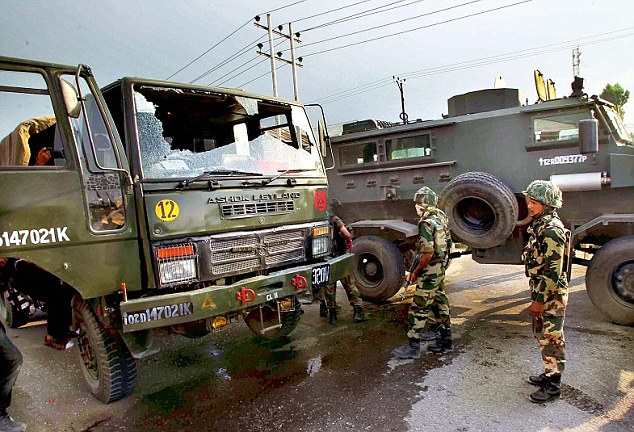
(340, 378)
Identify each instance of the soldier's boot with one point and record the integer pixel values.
(323, 309)
(333, 315)
(8, 424)
(443, 342)
(549, 391)
(359, 315)
(538, 380)
(409, 351)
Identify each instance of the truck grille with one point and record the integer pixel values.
(256, 251)
(242, 210)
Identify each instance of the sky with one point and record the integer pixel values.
(445, 47)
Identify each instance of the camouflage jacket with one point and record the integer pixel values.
(544, 260)
(434, 236)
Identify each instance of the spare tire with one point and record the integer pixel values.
(482, 210)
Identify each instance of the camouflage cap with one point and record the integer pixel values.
(425, 195)
(545, 192)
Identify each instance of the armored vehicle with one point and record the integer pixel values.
(186, 208)
(479, 158)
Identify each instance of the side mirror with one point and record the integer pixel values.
(71, 99)
(588, 136)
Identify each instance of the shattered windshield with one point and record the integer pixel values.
(185, 133)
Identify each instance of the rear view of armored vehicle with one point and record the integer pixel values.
(479, 158)
(211, 208)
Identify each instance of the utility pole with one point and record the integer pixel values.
(399, 82)
(293, 62)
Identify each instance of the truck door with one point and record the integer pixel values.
(62, 206)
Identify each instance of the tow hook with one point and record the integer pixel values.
(299, 282)
(245, 295)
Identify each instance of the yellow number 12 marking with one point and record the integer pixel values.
(166, 210)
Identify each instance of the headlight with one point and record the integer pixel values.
(177, 263)
(177, 271)
(321, 241)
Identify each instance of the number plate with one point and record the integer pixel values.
(158, 313)
(321, 275)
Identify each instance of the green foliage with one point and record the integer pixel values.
(617, 95)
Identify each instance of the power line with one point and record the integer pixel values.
(214, 46)
(243, 64)
(363, 14)
(395, 22)
(331, 11)
(419, 28)
(229, 59)
(227, 37)
(264, 74)
(514, 55)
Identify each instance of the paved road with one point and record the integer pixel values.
(344, 378)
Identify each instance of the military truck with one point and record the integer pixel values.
(213, 209)
(479, 158)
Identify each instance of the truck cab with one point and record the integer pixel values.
(185, 209)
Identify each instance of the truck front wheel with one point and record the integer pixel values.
(610, 280)
(105, 361)
(17, 307)
(379, 269)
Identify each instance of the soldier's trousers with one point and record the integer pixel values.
(549, 332)
(352, 292)
(429, 299)
(11, 362)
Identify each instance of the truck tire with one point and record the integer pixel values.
(482, 210)
(105, 361)
(17, 307)
(290, 320)
(610, 280)
(379, 269)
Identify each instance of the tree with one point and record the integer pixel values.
(617, 95)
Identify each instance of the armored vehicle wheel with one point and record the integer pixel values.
(379, 269)
(17, 307)
(105, 361)
(610, 280)
(482, 210)
(269, 317)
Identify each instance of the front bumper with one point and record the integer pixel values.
(183, 307)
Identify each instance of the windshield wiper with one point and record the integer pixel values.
(284, 172)
(220, 172)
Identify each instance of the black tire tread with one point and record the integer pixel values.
(464, 181)
(598, 285)
(116, 366)
(19, 314)
(394, 268)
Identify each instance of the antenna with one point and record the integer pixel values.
(576, 61)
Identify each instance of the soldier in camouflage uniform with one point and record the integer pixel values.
(433, 246)
(545, 266)
(328, 303)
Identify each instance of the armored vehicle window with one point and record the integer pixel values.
(408, 147)
(561, 127)
(358, 154)
(28, 133)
